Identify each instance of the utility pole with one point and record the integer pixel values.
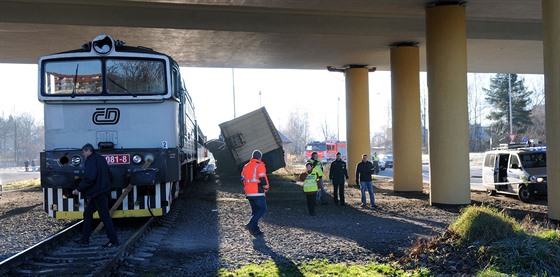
(16, 146)
(510, 112)
(233, 89)
(338, 119)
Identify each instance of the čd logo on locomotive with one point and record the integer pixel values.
(106, 116)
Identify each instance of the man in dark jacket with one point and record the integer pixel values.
(338, 174)
(95, 186)
(363, 177)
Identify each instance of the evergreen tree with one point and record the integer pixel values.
(498, 98)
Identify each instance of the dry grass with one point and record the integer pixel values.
(23, 184)
(483, 241)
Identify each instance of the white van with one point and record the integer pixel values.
(516, 169)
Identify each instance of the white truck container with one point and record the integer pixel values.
(253, 131)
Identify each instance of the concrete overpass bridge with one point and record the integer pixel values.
(446, 39)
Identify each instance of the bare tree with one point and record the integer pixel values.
(327, 134)
(379, 140)
(476, 111)
(424, 115)
(538, 97)
(4, 139)
(297, 130)
(537, 131)
(21, 138)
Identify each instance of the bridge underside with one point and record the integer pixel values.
(502, 36)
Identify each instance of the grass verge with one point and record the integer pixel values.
(23, 184)
(319, 268)
(507, 246)
(483, 241)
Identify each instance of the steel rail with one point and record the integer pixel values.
(53, 255)
(128, 245)
(19, 258)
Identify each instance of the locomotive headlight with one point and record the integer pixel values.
(76, 160)
(136, 159)
(102, 44)
(540, 179)
(149, 157)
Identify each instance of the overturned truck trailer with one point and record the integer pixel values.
(244, 134)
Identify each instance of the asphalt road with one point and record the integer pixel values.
(11, 175)
(476, 176)
(16, 174)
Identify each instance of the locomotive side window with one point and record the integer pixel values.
(73, 77)
(135, 77)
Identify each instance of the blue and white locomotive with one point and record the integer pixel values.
(132, 105)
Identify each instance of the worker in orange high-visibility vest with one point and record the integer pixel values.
(256, 185)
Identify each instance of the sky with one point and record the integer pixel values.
(320, 93)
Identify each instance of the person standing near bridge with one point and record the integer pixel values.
(255, 183)
(363, 177)
(318, 166)
(375, 160)
(310, 179)
(96, 186)
(338, 175)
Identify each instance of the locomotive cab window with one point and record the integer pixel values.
(112, 77)
(135, 77)
(73, 77)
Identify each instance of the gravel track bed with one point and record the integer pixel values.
(23, 221)
(208, 233)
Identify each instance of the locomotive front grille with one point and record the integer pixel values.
(157, 198)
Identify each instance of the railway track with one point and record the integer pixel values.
(60, 255)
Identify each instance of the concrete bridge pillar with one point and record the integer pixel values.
(551, 51)
(446, 56)
(407, 136)
(357, 117)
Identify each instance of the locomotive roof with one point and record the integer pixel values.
(119, 47)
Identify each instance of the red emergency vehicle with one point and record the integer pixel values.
(326, 150)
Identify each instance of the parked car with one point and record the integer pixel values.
(385, 161)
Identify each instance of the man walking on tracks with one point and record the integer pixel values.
(96, 186)
(338, 174)
(256, 185)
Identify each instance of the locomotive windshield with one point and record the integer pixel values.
(104, 77)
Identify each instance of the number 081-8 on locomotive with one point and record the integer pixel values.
(129, 102)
